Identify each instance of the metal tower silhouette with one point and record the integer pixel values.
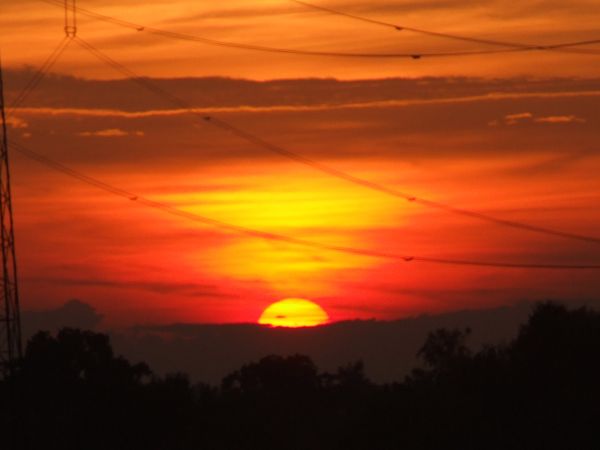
(71, 18)
(10, 320)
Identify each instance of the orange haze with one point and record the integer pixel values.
(514, 136)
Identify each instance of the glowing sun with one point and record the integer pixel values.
(294, 313)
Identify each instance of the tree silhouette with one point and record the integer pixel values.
(295, 374)
(538, 391)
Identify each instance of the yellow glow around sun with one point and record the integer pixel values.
(305, 205)
(293, 313)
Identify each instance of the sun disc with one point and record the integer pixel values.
(293, 313)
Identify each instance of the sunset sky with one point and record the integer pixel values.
(511, 135)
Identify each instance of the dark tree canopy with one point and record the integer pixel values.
(538, 391)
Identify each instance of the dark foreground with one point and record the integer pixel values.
(538, 391)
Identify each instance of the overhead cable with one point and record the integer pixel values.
(275, 236)
(268, 49)
(40, 73)
(259, 142)
(513, 45)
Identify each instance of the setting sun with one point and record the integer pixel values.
(293, 313)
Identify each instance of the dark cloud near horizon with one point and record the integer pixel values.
(392, 118)
(207, 352)
(74, 314)
(388, 348)
(155, 286)
(65, 91)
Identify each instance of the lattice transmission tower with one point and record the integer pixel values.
(10, 319)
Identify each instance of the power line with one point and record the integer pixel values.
(70, 29)
(117, 191)
(242, 230)
(41, 73)
(513, 45)
(259, 142)
(260, 48)
(390, 191)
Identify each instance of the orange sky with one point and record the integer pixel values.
(30, 29)
(520, 144)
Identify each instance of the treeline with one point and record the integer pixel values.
(539, 391)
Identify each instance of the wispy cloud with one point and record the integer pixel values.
(527, 117)
(103, 112)
(513, 119)
(559, 119)
(111, 132)
(16, 122)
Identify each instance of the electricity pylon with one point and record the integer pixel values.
(10, 319)
(71, 18)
